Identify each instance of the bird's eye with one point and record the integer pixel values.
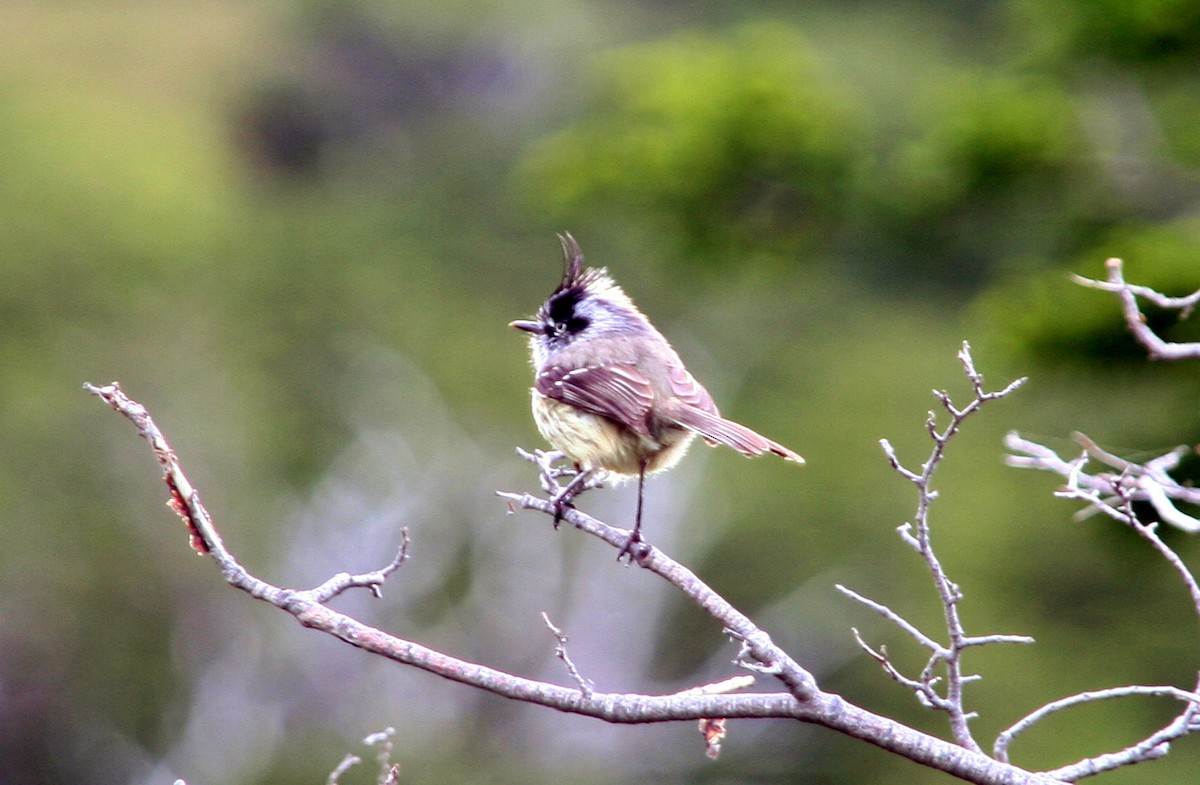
(571, 326)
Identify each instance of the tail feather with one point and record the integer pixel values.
(718, 430)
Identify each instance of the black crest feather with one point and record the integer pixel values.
(572, 262)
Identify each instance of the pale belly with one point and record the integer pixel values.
(596, 442)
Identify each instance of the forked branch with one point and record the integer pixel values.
(933, 690)
(1112, 494)
(1158, 348)
(1110, 490)
(712, 705)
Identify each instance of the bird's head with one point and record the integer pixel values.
(587, 304)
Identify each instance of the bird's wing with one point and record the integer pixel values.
(617, 391)
(687, 390)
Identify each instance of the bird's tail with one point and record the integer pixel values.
(718, 430)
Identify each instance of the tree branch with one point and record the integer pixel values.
(765, 655)
(1154, 741)
(1148, 482)
(948, 657)
(560, 651)
(802, 701)
(1113, 495)
(1136, 321)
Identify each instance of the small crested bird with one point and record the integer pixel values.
(611, 394)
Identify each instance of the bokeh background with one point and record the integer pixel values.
(297, 232)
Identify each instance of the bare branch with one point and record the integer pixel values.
(560, 651)
(985, 640)
(890, 452)
(948, 657)
(924, 688)
(1136, 321)
(802, 701)
(759, 645)
(309, 610)
(1113, 494)
(894, 618)
(1148, 482)
(1025, 723)
(371, 580)
(721, 687)
(1154, 746)
(388, 773)
(348, 762)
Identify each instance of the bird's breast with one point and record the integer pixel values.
(597, 442)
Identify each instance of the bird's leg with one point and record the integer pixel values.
(563, 498)
(635, 537)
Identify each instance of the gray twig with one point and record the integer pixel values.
(1136, 321)
(371, 580)
(1112, 494)
(388, 773)
(942, 657)
(1025, 723)
(763, 652)
(894, 618)
(560, 650)
(1148, 482)
(348, 762)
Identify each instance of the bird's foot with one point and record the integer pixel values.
(635, 547)
(551, 473)
(567, 493)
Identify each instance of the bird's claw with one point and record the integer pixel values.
(567, 493)
(635, 547)
(561, 503)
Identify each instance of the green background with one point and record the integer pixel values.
(297, 232)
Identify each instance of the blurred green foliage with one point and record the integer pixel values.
(726, 139)
(1142, 36)
(297, 232)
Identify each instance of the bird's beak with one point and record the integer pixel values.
(526, 325)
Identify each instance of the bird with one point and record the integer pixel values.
(611, 394)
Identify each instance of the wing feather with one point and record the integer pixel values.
(687, 390)
(617, 391)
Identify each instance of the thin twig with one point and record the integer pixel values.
(1148, 482)
(924, 688)
(1123, 512)
(1113, 494)
(946, 657)
(1025, 723)
(764, 655)
(1116, 283)
(348, 762)
(1157, 348)
(894, 618)
(371, 580)
(560, 650)
(1154, 746)
(388, 773)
